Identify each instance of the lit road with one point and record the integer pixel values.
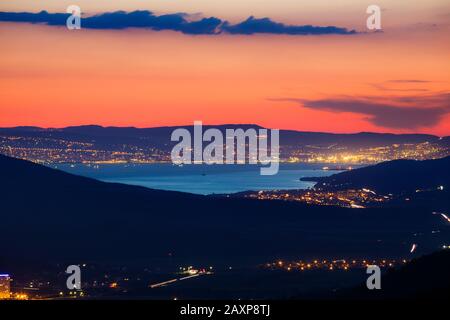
(165, 283)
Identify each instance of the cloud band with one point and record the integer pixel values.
(175, 22)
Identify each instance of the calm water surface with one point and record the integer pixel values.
(201, 179)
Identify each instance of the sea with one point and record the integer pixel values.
(201, 178)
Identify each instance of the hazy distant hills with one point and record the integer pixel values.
(160, 137)
(51, 215)
(393, 176)
(354, 140)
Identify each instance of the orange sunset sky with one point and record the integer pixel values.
(53, 77)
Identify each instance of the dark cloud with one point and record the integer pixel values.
(122, 20)
(266, 25)
(177, 22)
(54, 19)
(410, 112)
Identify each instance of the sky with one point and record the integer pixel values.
(227, 69)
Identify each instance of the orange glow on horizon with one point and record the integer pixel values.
(52, 77)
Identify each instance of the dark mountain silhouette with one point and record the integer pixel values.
(108, 137)
(51, 215)
(392, 177)
(352, 140)
(426, 277)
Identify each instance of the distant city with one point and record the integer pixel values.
(98, 145)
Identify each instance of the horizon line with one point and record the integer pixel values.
(215, 125)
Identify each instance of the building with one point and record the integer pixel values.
(5, 286)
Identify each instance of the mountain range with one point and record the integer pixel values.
(159, 137)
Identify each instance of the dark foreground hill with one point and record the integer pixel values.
(393, 177)
(47, 214)
(426, 277)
